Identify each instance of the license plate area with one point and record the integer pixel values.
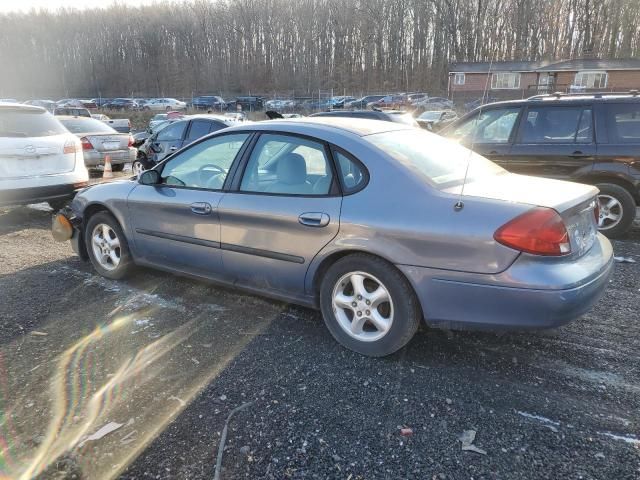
(111, 145)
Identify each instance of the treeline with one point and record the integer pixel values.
(301, 46)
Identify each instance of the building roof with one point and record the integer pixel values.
(547, 66)
(484, 67)
(593, 64)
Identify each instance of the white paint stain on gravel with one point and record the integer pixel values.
(623, 438)
(539, 418)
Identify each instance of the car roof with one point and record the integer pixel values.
(567, 98)
(21, 106)
(322, 125)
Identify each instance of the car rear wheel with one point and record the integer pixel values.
(617, 210)
(368, 305)
(107, 246)
(118, 167)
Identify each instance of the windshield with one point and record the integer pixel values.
(440, 161)
(27, 123)
(86, 125)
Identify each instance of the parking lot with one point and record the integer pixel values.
(136, 379)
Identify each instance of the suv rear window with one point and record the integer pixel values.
(25, 123)
(623, 123)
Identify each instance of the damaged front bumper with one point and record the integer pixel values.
(66, 225)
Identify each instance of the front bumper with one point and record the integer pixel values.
(543, 294)
(93, 158)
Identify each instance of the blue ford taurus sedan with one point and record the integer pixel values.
(379, 225)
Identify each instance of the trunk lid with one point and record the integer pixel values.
(575, 202)
(108, 142)
(22, 157)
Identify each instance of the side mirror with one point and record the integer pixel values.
(156, 147)
(149, 177)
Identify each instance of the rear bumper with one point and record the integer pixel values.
(93, 159)
(507, 300)
(24, 196)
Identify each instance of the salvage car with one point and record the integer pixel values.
(435, 120)
(99, 141)
(40, 161)
(176, 135)
(362, 219)
(591, 138)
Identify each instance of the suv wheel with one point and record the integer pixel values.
(617, 209)
(368, 305)
(107, 246)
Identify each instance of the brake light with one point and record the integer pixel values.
(131, 140)
(540, 231)
(86, 144)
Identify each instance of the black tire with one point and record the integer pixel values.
(126, 263)
(406, 308)
(627, 204)
(117, 167)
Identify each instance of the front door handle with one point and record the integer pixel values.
(314, 219)
(173, 148)
(201, 208)
(493, 152)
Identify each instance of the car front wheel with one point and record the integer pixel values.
(368, 305)
(107, 246)
(617, 210)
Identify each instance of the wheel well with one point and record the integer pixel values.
(330, 260)
(628, 186)
(90, 211)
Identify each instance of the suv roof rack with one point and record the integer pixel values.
(633, 93)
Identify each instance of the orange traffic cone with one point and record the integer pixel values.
(108, 171)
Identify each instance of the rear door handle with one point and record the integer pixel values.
(201, 208)
(314, 219)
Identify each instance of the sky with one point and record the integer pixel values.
(26, 5)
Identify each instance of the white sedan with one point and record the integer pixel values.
(165, 104)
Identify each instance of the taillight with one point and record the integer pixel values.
(86, 144)
(130, 140)
(540, 231)
(71, 146)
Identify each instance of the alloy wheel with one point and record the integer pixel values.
(362, 306)
(610, 212)
(106, 246)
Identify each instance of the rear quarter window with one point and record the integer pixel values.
(623, 123)
(23, 123)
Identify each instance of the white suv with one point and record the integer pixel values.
(40, 161)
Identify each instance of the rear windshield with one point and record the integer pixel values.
(86, 125)
(443, 162)
(23, 123)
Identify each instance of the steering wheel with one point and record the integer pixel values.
(210, 181)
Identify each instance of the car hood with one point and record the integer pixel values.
(543, 192)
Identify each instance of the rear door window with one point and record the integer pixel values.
(623, 123)
(557, 125)
(23, 123)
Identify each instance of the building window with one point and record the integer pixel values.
(591, 79)
(458, 79)
(505, 80)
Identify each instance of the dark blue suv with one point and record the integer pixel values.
(587, 138)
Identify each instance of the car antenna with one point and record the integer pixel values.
(459, 205)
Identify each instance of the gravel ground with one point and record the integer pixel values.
(161, 361)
